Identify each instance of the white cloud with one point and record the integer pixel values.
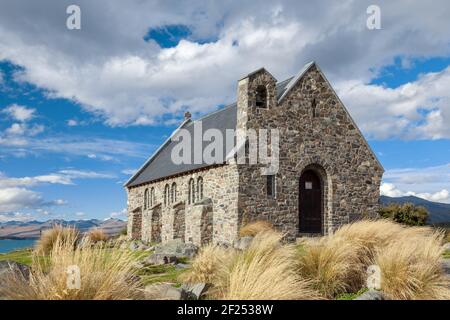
(15, 216)
(129, 171)
(12, 199)
(21, 129)
(19, 113)
(80, 214)
(115, 74)
(72, 122)
(430, 183)
(118, 214)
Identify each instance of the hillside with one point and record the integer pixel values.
(32, 229)
(439, 212)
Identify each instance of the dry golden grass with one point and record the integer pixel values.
(253, 228)
(207, 263)
(49, 237)
(332, 264)
(411, 267)
(263, 271)
(106, 274)
(96, 235)
(409, 258)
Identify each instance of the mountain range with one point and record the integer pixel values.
(438, 212)
(32, 229)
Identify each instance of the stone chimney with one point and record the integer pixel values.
(187, 115)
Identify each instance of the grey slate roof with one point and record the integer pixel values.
(160, 164)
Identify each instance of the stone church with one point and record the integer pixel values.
(328, 175)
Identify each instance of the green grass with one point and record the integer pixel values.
(446, 254)
(163, 273)
(20, 256)
(352, 295)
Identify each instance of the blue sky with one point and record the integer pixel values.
(81, 110)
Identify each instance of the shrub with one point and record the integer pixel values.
(106, 274)
(263, 271)
(96, 235)
(253, 228)
(48, 238)
(411, 268)
(406, 213)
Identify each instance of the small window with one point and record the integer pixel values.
(152, 197)
(200, 188)
(313, 107)
(261, 97)
(191, 191)
(166, 195)
(145, 199)
(271, 186)
(173, 196)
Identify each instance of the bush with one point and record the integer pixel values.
(96, 235)
(48, 238)
(106, 274)
(253, 228)
(407, 213)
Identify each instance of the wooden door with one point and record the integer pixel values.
(310, 203)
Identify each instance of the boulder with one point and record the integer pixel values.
(242, 243)
(159, 259)
(137, 245)
(8, 267)
(371, 295)
(193, 291)
(446, 266)
(447, 246)
(181, 266)
(177, 248)
(162, 291)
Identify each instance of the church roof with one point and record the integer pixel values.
(160, 164)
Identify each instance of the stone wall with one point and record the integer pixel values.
(329, 142)
(205, 220)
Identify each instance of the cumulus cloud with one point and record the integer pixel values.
(12, 199)
(15, 216)
(19, 113)
(118, 214)
(114, 73)
(430, 183)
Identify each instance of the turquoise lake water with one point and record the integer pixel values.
(10, 245)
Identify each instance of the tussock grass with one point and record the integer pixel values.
(253, 228)
(206, 265)
(411, 268)
(264, 271)
(96, 235)
(49, 237)
(409, 258)
(105, 273)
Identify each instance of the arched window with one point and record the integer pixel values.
(199, 188)
(261, 97)
(152, 197)
(166, 195)
(313, 107)
(145, 199)
(191, 191)
(173, 196)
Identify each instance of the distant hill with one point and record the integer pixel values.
(439, 212)
(32, 229)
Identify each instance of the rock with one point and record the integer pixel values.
(243, 243)
(371, 295)
(447, 246)
(193, 291)
(137, 245)
(159, 259)
(446, 266)
(178, 248)
(162, 291)
(8, 267)
(181, 266)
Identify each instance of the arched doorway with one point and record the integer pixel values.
(310, 207)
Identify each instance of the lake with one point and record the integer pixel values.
(10, 245)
